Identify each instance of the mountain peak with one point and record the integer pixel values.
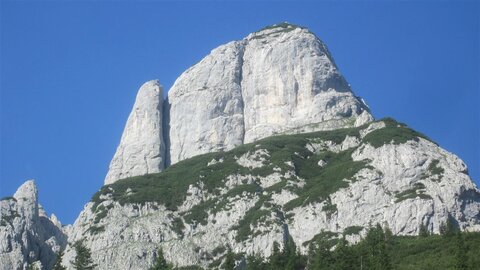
(27, 191)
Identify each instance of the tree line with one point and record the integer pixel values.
(373, 252)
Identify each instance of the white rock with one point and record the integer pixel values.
(142, 148)
(26, 233)
(289, 80)
(206, 106)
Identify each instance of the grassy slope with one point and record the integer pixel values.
(170, 186)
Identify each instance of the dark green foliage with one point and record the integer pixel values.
(376, 253)
(344, 257)
(434, 168)
(352, 230)
(461, 259)
(321, 182)
(276, 259)
(320, 254)
(449, 228)
(83, 259)
(394, 131)
(434, 252)
(255, 262)
(58, 262)
(229, 263)
(218, 250)
(418, 190)
(423, 231)
(288, 259)
(252, 217)
(96, 229)
(178, 226)
(160, 262)
(191, 267)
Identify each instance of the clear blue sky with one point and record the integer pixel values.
(70, 72)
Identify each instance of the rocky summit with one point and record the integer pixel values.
(261, 141)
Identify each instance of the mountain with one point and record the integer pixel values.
(27, 234)
(281, 79)
(260, 142)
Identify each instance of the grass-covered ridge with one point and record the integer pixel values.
(285, 153)
(393, 131)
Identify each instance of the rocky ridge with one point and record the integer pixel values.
(303, 186)
(27, 234)
(281, 79)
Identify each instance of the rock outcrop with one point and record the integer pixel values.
(290, 82)
(206, 105)
(142, 147)
(27, 235)
(303, 185)
(281, 79)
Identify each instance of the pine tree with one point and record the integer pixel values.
(321, 258)
(58, 262)
(377, 253)
(229, 263)
(461, 258)
(83, 260)
(160, 262)
(293, 259)
(344, 257)
(276, 259)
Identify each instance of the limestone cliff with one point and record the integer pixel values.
(281, 79)
(142, 148)
(27, 235)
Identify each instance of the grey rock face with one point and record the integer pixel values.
(278, 80)
(290, 81)
(27, 234)
(206, 106)
(142, 148)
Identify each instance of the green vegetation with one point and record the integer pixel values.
(58, 262)
(83, 258)
(352, 230)
(394, 131)
(379, 250)
(96, 229)
(418, 190)
(160, 262)
(321, 182)
(285, 153)
(252, 217)
(434, 170)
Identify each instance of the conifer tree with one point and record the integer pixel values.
(83, 260)
(58, 262)
(321, 257)
(229, 260)
(344, 258)
(377, 254)
(160, 262)
(276, 260)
